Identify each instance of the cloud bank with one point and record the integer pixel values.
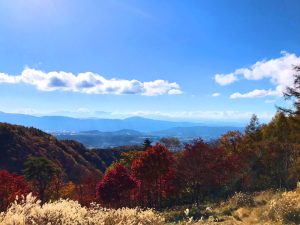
(278, 71)
(90, 83)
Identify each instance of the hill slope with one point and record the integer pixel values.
(17, 143)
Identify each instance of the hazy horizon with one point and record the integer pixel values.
(111, 116)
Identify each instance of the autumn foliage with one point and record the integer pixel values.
(157, 176)
(263, 157)
(11, 186)
(205, 169)
(116, 186)
(153, 170)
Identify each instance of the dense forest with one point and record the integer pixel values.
(264, 157)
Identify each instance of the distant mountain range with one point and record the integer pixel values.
(102, 133)
(61, 123)
(100, 139)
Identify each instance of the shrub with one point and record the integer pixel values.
(242, 200)
(286, 208)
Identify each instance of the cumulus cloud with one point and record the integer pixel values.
(216, 94)
(278, 71)
(159, 87)
(225, 79)
(90, 83)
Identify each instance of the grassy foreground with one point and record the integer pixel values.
(268, 207)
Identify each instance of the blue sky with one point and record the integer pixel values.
(181, 60)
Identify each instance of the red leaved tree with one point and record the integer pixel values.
(204, 169)
(11, 185)
(154, 171)
(115, 188)
(85, 190)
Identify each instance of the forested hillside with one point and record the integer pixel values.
(17, 143)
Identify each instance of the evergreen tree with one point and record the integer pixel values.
(147, 143)
(253, 129)
(293, 93)
(40, 171)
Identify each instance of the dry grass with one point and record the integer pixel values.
(286, 208)
(68, 212)
(263, 208)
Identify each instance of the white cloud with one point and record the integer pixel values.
(257, 93)
(225, 79)
(278, 71)
(174, 92)
(216, 94)
(90, 83)
(4, 78)
(159, 87)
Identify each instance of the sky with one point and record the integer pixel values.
(202, 60)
